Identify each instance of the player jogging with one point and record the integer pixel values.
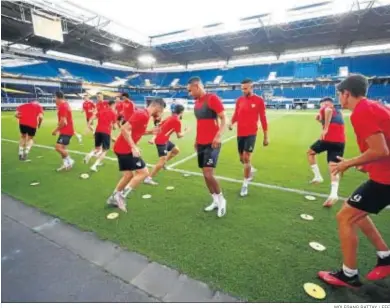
(128, 107)
(250, 108)
(106, 120)
(119, 110)
(332, 141)
(101, 103)
(371, 123)
(208, 109)
(65, 129)
(30, 117)
(134, 170)
(88, 108)
(165, 148)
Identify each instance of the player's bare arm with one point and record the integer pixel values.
(40, 119)
(91, 121)
(217, 139)
(183, 133)
(62, 123)
(234, 117)
(377, 149)
(328, 118)
(126, 132)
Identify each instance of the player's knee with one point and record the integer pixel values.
(208, 173)
(246, 159)
(310, 152)
(176, 150)
(343, 216)
(162, 161)
(58, 147)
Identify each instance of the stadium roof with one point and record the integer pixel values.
(196, 32)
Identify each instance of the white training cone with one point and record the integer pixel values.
(317, 246)
(311, 198)
(186, 175)
(146, 196)
(112, 215)
(84, 176)
(306, 217)
(170, 188)
(34, 184)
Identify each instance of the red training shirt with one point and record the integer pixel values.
(336, 131)
(28, 114)
(119, 108)
(369, 118)
(89, 108)
(167, 127)
(207, 128)
(139, 122)
(102, 105)
(106, 119)
(64, 111)
(248, 111)
(128, 108)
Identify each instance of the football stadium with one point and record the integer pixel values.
(208, 151)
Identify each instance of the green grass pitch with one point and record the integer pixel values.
(259, 251)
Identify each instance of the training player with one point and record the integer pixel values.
(100, 103)
(208, 110)
(371, 123)
(89, 109)
(165, 148)
(332, 141)
(106, 120)
(65, 129)
(119, 110)
(250, 108)
(134, 170)
(128, 107)
(30, 117)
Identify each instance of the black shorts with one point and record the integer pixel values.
(102, 140)
(164, 149)
(127, 162)
(64, 139)
(27, 130)
(207, 156)
(246, 144)
(333, 149)
(371, 197)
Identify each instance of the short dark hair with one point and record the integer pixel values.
(111, 102)
(356, 84)
(247, 80)
(159, 101)
(125, 95)
(99, 93)
(194, 79)
(60, 95)
(326, 99)
(179, 108)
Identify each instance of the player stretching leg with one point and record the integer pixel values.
(371, 123)
(208, 109)
(332, 141)
(65, 128)
(249, 109)
(165, 148)
(106, 121)
(129, 155)
(30, 117)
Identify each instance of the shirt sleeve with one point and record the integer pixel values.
(215, 104)
(365, 124)
(262, 115)
(235, 114)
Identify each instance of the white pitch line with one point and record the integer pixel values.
(227, 179)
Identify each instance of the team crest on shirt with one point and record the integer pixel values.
(253, 105)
